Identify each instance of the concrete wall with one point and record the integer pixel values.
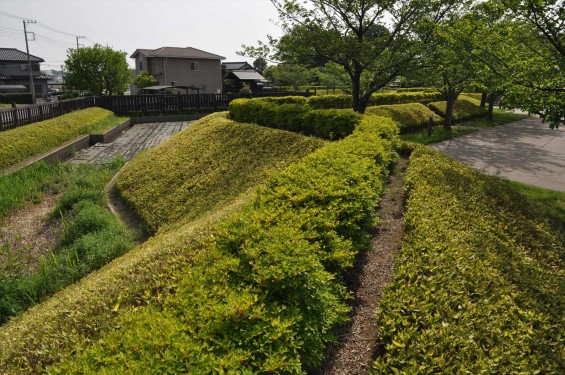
(208, 77)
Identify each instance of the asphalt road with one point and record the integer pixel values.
(526, 151)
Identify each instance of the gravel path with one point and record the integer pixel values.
(358, 345)
(138, 138)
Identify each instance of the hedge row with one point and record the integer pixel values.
(479, 282)
(465, 108)
(205, 166)
(24, 142)
(295, 116)
(410, 116)
(264, 294)
(346, 101)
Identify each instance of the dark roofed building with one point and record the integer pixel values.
(14, 70)
(187, 67)
(239, 74)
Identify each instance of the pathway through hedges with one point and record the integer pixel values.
(358, 342)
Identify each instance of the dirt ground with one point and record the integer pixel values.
(358, 343)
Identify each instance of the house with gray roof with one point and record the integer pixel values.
(14, 71)
(187, 68)
(239, 74)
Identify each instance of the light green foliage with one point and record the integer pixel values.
(258, 294)
(479, 280)
(263, 295)
(26, 141)
(465, 108)
(145, 79)
(206, 166)
(97, 69)
(410, 116)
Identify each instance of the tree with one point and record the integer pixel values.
(332, 75)
(260, 64)
(372, 40)
(97, 69)
(145, 79)
(292, 75)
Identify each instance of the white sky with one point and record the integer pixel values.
(215, 26)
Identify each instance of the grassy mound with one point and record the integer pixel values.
(207, 165)
(24, 142)
(479, 281)
(465, 108)
(410, 116)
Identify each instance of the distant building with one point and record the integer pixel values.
(239, 74)
(14, 70)
(187, 69)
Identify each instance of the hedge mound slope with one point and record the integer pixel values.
(205, 166)
(258, 292)
(479, 282)
(465, 108)
(410, 116)
(26, 141)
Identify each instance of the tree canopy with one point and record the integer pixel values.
(145, 79)
(99, 70)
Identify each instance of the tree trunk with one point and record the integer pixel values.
(356, 93)
(451, 96)
(490, 115)
(483, 99)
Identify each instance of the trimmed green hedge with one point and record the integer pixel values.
(410, 116)
(26, 141)
(207, 165)
(465, 108)
(294, 115)
(346, 101)
(264, 294)
(258, 294)
(479, 282)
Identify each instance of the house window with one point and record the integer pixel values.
(194, 65)
(141, 66)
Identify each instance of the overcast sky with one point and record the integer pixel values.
(215, 26)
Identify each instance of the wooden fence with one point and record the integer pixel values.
(15, 117)
(151, 104)
(127, 105)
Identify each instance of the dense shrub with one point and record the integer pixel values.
(21, 143)
(258, 294)
(465, 108)
(410, 116)
(205, 166)
(346, 101)
(284, 113)
(264, 295)
(479, 282)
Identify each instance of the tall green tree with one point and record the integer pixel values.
(291, 75)
(373, 40)
(260, 64)
(145, 79)
(97, 69)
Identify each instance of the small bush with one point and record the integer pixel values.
(465, 108)
(410, 116)
(478, 283)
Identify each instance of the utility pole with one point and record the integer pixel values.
(63, 73)
(31, 85)
(79, 37)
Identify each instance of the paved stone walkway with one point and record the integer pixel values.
(137, 138)
(526, 151)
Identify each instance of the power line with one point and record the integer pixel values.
(6, 14)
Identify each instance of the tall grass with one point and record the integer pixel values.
(91, 237)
